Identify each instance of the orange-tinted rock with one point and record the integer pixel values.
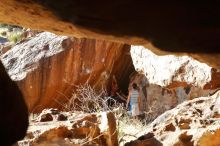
(210, 138)
(167, 70)
(80, 129)
(47, 67)
(169, 127)
(172, 27)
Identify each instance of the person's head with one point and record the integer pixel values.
(134, 86)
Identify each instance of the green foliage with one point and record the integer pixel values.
(11, 32)
(15, 37)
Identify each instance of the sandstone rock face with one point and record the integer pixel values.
(47, 67)
(192, 123)
(167, 81)
(77, 129)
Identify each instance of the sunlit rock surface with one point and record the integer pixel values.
(192, 123)
(171, 71)
(157, 99)
(71, 129)
(47, 67)
(166, 81)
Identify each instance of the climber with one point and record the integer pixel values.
(134, 98)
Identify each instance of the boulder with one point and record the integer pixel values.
(166, 81)
(48, 67)
(172, 71)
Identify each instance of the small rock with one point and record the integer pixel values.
(170, 127)
(54, 111)
(46, 117)
(62, 117)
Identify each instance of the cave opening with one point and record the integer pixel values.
(122, 73)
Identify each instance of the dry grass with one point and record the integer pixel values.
(86, 100)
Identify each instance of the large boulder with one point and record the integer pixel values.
(172, 71)
(166, 81)
(192, 123)
(47, 67)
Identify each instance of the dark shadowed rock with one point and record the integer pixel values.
(170, 26)
(61, 117)
(46, 117)
(13, 111)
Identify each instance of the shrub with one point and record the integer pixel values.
(15, 37)
(86, 99)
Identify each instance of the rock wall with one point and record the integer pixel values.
(47, 67)
(167, 81)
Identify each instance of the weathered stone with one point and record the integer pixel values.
(170, 127)
(61, 117)
(203, 129)
(146, 140)
(173, 71)
(184, 123)
(210, 138)
(176, 27)
(94, 129)
(47, 67)
(46, 117)
(166, 81)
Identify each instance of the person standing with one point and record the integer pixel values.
(135, 100)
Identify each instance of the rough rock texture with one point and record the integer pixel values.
(167, 81)
(13, 111)
(47, 67)
(78, 129)
(172, 71)
(192, 123)
(172, 26)
(157, 99)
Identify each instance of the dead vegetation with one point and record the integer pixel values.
(86, 100)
